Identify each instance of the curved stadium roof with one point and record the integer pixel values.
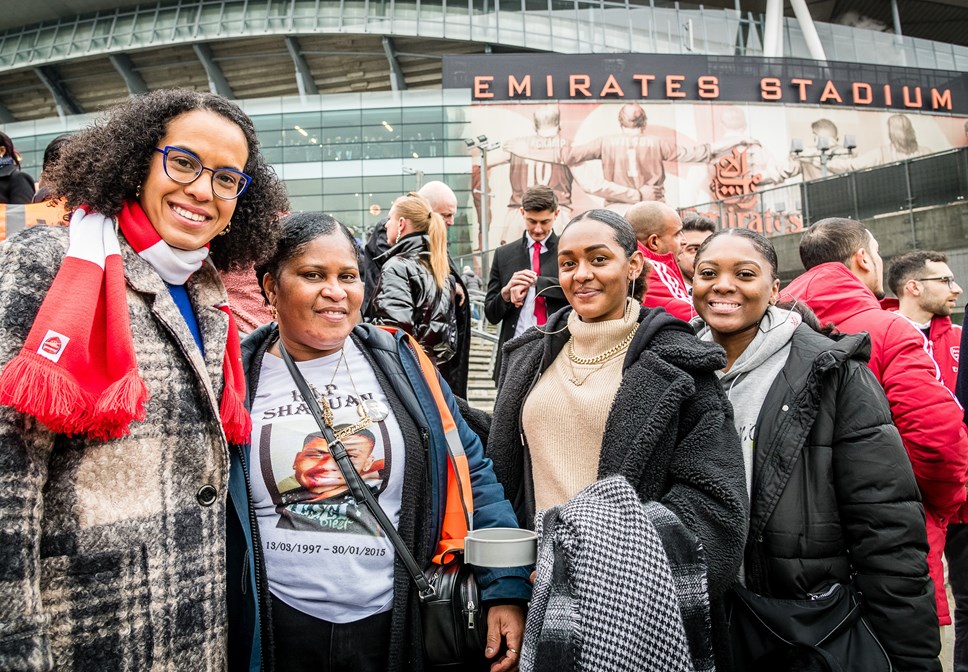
(60, 57)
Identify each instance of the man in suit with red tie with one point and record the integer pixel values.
(523, 289)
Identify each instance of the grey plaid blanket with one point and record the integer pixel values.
(620, 586)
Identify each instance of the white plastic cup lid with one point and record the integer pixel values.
(501, 547)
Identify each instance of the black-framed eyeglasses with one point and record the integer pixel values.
(950, 279)
(184, 167)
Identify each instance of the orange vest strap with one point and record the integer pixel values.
(14, 218)
(459, 507)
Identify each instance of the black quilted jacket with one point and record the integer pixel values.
(834, 495)
(408, 297)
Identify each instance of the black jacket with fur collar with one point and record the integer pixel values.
(669, 433)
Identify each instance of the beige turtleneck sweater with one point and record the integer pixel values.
(564, 423)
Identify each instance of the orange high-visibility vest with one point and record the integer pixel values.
(14, 218)
(459, 507)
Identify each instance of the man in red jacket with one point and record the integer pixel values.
(659, 231)
(842, 285)
(926, 295)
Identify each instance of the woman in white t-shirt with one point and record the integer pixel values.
(312, 579)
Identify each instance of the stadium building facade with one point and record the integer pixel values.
(357, 101)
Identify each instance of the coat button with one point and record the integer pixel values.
(206, 495)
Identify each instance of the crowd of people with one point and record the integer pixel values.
(713, 463)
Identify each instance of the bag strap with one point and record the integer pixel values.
(459, 503)
(358, 489)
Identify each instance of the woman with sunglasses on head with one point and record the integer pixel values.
(833, 496)
(122, 390)
(417, 291)
(607, 388)
(315, 581)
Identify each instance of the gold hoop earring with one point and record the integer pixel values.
(225, 230)
(543, 331)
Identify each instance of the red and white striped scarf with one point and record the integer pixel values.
(77, 372)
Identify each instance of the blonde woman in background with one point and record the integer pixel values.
(417, 292)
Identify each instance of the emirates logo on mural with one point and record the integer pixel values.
(734, 182)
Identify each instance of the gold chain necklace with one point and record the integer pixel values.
(328, 417)
(604, 356)
(575, 380)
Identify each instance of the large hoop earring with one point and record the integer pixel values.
(543, 331)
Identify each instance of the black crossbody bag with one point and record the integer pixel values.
(454, 623)
(828, 632)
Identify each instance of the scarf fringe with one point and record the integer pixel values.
(235, 419)
(72, 396)
(120, 404)
(36, 386)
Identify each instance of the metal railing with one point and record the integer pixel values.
(562, 26)
(904, 186)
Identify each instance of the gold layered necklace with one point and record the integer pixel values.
(601, 359)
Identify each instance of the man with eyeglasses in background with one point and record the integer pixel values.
(927, 295)
(843, 285)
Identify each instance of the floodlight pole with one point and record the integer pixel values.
(484, 211)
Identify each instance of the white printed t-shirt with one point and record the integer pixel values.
(325, 556)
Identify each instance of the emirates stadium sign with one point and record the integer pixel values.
(545, 77)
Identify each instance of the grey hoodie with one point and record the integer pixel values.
(753, 373)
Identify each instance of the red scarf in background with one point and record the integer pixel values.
(77, 372)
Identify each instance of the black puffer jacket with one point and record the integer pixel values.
(833, 494)
(409, 298)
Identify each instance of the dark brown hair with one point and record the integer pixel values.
(105, 164)
(832, 239)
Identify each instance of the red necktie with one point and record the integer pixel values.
(540, 309)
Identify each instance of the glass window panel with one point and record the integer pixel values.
(393, 184)
(389, 116)
(423, 115)
(268, 122)
(312, 203)
(273, 155)
(352, 201)
(337, 134)
(341, 118)
(302, 153)
(309, 121)
(273, 138)
(342, 185)
(457, 130)
(304, 187)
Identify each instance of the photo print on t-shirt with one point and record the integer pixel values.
(305, 482)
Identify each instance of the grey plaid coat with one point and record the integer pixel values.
(112, 553)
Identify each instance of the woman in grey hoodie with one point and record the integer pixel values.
(833, 501)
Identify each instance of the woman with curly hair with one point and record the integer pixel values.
(122, 390)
